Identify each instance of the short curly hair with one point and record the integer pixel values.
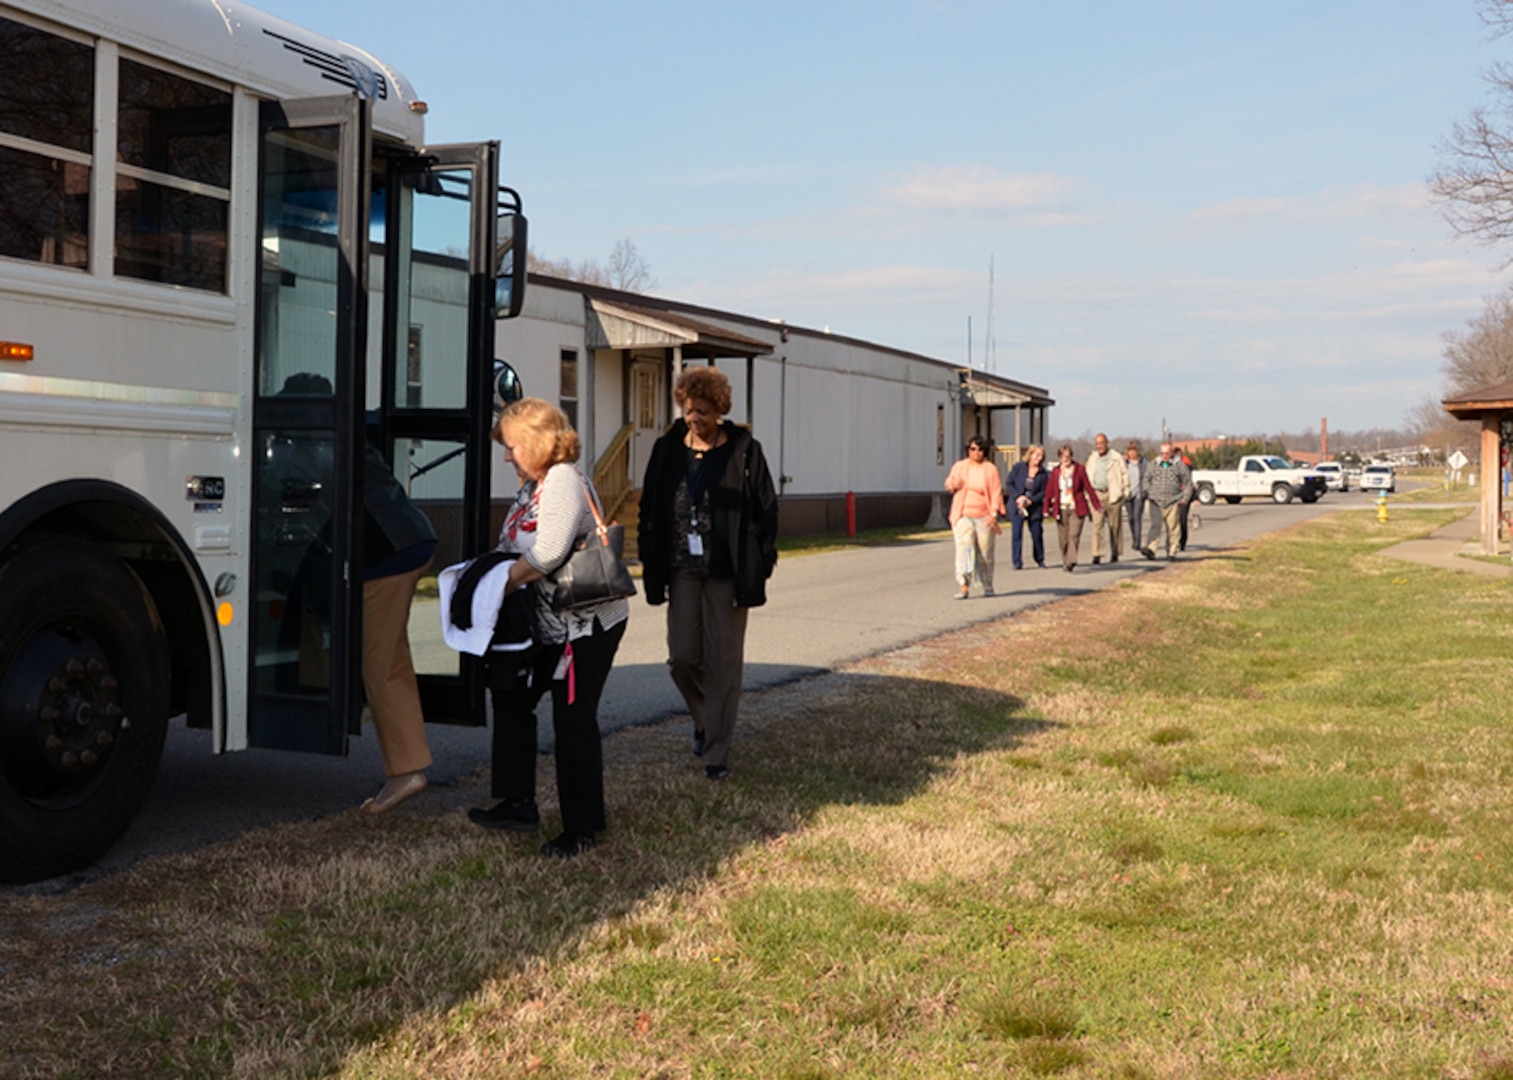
(541, 430)
(706, 383)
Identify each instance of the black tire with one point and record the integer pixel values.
(1206, 494)
(1311, 497)
(83, 706)
(1281, 494)
(1233, 500)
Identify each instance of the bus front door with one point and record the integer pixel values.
(431, 407)
(312, 286)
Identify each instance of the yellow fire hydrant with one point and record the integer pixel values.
(1381, 507)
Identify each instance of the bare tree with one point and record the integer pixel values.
(1481, 355)
(627, 269)
(1475, 183)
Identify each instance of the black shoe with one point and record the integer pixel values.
(1113, 558)
(1041, 565)
(698, 744)
(1097, 559)
(1148, 553)
(715, 772)
(1171, 558)
(516, 815)
(567, 845)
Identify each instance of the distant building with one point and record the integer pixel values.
(834, 414)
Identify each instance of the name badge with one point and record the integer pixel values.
(695, 544)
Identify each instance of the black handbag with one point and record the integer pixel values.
(596, 571)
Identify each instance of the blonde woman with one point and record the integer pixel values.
(1025, 488)
(976, 503)
(574, 650)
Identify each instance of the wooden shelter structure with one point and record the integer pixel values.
(1493, 407)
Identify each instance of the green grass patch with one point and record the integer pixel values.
(1259, 826)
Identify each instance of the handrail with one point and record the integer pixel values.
(612, 473)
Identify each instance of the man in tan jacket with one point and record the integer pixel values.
(1105, 468)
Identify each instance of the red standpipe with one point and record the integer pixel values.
(850, 513)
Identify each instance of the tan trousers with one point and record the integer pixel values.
(1171, 517)
(1112, 517)
(388, 673)
(1068, 534)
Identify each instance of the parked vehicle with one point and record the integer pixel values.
(1378, 478)
(1258, 475)
(1336, 476)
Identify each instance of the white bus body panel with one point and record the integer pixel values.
(244, 47)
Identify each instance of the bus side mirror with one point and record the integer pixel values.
(509, 267)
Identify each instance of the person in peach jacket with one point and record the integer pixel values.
(976, 503)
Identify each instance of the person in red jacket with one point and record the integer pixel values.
(1069, 499)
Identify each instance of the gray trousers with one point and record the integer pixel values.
(706, 649)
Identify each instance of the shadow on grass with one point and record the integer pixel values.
(290, 949)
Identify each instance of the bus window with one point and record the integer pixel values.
(173, 184)
(299, 256)
(46, 127)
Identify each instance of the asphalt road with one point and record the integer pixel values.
(823, 611)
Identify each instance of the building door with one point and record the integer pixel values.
(648, 414)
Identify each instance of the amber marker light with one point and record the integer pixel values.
(419, 107)
(15, 350)
(224, 613)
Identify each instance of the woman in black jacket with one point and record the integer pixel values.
(708, 543)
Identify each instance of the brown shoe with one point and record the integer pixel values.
(395, 791)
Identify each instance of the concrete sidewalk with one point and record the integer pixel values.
(1448, 548)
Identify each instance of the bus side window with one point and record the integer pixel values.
(173, 182)
(49, 103)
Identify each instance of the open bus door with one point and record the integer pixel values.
(312, 287)
(435, 391)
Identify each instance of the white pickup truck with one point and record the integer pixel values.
(1261, 475)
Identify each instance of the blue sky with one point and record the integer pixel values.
(1211, 214)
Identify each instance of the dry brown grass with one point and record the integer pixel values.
(945, 861)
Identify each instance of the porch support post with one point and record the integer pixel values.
(1491, 482)
(677, 373)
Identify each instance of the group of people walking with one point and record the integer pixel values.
(1111, 489)
(707, 539)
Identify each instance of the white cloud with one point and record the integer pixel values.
(975, 188)
(1331, 204)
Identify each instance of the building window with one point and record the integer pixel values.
(46, 131)
(569, 396)
(173, 183)
(940, 434)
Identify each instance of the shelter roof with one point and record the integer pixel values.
(1497, 398)
(614, 325)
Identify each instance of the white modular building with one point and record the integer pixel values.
(836, 416)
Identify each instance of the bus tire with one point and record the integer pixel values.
(83, 706)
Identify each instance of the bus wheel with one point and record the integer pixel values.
(83, 706)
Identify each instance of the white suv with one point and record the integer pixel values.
(1335, 476)
(1378, 478)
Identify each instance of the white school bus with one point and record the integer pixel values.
(228, 262)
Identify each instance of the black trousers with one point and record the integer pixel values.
(516, 687)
